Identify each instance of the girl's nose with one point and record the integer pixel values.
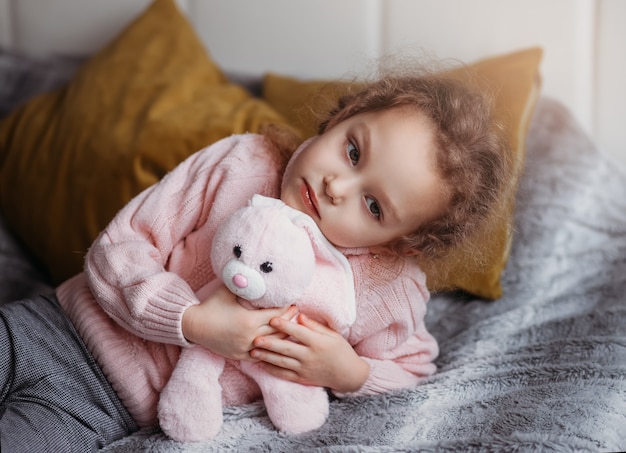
(336, 188)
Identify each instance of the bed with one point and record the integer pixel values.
(540, 367)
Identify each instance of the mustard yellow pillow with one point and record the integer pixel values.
(72, 158)
(514, 78)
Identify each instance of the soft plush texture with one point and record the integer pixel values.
(514, 80)
(72, 158)
(543, 369)
(271, 255)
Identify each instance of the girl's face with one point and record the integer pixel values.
(369, 179)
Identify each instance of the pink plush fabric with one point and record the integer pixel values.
(271, 255)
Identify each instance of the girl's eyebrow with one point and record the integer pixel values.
(363, 132)
(390, 210)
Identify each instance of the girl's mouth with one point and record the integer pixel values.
(309, 199)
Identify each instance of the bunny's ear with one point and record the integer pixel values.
(335, 272)
(324, 250)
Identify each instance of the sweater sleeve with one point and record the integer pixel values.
(143, 268)
(390, 333)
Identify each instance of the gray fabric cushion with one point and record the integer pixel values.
(22, 77)
(20, 276)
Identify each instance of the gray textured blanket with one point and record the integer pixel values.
(542, 369)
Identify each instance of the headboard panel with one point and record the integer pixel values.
(583, 66)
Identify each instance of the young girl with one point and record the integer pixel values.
(400, 173)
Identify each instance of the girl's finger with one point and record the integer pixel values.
(274, 335)
(313, 324)
(290, 313)
(275, 359)
(267, 331)
(282, 312)
(265, 315)
(283, 347)
(293, 329)
(282, 373)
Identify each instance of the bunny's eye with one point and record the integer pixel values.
(266, 267)
(237, 251)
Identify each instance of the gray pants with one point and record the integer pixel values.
(53, 395)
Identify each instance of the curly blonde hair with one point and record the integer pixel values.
(473, 158)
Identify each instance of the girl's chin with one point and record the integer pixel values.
(291, 201)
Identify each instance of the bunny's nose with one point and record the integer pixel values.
(240, 281)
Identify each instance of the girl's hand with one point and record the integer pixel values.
(225, 327)
(322, 357)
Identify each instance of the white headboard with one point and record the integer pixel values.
(584, 65)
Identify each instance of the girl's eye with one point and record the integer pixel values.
(353, 153)
(373, 207)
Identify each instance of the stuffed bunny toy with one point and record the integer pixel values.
(269, 255)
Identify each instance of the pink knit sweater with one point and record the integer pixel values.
(152, 262)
